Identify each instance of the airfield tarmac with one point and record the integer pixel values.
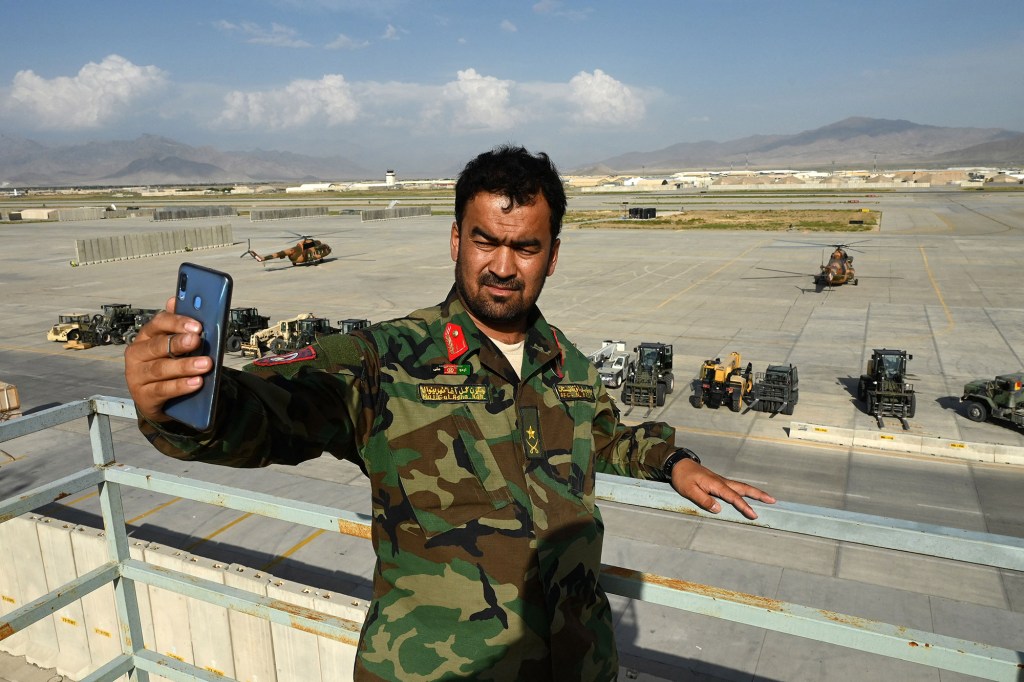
(940, 278)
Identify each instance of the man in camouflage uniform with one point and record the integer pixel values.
(480, 427)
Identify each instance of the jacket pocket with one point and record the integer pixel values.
(448, 473)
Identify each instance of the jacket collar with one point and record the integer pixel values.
(539, 349)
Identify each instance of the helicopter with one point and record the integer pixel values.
(307, 251)
(837, 270)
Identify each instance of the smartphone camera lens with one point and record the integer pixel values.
(182, 284)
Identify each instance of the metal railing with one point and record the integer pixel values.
(926, 648)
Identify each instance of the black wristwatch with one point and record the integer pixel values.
(680, 454)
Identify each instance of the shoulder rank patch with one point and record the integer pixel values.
(440, 393)
(575, 392)
(455, 341)
(300, 355)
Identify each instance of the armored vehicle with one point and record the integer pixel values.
(242, 324)
(777, 389)
(883, 388)
(67, 326)
(650, 379)
(999, 398)
(721, 383)
(296, 332)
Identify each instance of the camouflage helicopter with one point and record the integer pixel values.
(307, 251)
(832, 273)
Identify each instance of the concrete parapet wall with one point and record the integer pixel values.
(190, 212)
(906, 442)
(400, 212)
(124, 246)
(257, 214)
(45, 553)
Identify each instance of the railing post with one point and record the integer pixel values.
(125, 597)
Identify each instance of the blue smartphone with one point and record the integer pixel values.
(205, 295)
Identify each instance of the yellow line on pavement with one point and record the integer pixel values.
(935, 285)
(154, 510)
(217, 532)
(708, 276)
(295, 548)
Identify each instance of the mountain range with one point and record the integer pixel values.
(851, 143)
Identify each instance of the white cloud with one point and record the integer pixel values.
(602, 100)
(343, 42)
(391, 33)
(507, 25)
(299, 103)
(277, 35)
(99, 94)
(481, 102)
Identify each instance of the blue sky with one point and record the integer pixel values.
(422, 86)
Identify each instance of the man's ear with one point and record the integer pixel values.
(455, 241)
(554, 256)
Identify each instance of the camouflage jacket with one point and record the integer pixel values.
(487, 537)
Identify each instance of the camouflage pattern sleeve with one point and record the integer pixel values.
(285, 409)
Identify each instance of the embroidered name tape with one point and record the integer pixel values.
(575, 392)
(439, 393)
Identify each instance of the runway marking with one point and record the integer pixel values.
(293, 549)
(861, 497)
(154, 510)
(709, 275)
(217, 532)
(935, 285)
(952, 509)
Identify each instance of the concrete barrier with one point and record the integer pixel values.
(284, 213)
(121, 247)
(211, 633)
(10, 590)
(73, 657)
(253, 646)
(172, 636)
(908, 442)
(398, 212)
(296, 653)
(101, 626)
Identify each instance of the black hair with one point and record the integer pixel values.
(517, 174)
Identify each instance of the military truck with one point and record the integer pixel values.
(721, 383)
(352, 324)
(651, 378)
(142, 316)
(67, 326)
(296, 332)
(777, 389)
(998, 398)
(117, 320)
(242, 324)
(884, 389)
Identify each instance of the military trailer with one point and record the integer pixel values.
(884, 389)
(650, 379)
(67, 326)
(777, 389)
(242, 324)
(999, 398)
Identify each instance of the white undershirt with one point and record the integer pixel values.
(513, 352)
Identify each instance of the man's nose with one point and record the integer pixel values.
(503, 263)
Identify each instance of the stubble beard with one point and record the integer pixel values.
(512, 311)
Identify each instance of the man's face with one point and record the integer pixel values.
(502, 259)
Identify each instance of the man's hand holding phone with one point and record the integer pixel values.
(155, 366)
(176, 372)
